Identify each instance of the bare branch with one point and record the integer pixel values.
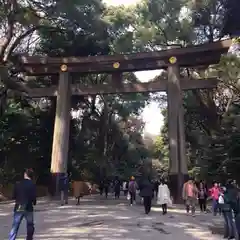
(18, 40)
(9, 30)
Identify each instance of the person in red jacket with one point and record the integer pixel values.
(215, 193)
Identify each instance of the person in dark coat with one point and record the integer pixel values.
(202, 196)
(106, 187)
(63, 186)
(117, 188)
(101, 187)
(146, 190)
(237, 207)
(25, 197)
(233, 200)
(156, 185)
(227, 204)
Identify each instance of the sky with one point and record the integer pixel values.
(152, 113)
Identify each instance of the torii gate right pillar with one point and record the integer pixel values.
(178, 172)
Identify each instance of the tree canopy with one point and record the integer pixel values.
(105, 136)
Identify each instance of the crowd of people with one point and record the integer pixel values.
(224, 198)
(225, 201)
(145, 189)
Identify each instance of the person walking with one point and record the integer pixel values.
(25, 197)
(190, 195)
(125, 189)
(233, 200)
(63, 186)
(226, 199)
(117, 188)
(146, 190)
(156, 187)
(215, 193)
(101, 187)
(202, 197)
(163, 197)
(106, 187)
(132, 188)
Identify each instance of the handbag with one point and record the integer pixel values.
(221, 199)
(128, 196)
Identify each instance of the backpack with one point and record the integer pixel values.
(132, 187)
(65, 181)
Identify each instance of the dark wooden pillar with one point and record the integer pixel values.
(176, 134)
(183, 168)
(61, 131)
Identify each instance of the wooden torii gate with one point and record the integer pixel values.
(172, 60)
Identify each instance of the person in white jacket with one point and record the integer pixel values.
(164, 197)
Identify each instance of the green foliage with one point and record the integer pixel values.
(166, 23)
(83, 32)
(23, 132)
(158, 147)
(121, 20)
(105, 140)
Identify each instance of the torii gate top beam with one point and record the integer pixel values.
(204, 54)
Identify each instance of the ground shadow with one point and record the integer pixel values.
(99, 219)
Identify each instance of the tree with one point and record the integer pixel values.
(102, 129)
(181, 23)
(19, 22)
(107, 130)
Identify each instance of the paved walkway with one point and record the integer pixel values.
(98, 219)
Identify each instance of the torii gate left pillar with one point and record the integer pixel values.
(178, 171)
(60, 146)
